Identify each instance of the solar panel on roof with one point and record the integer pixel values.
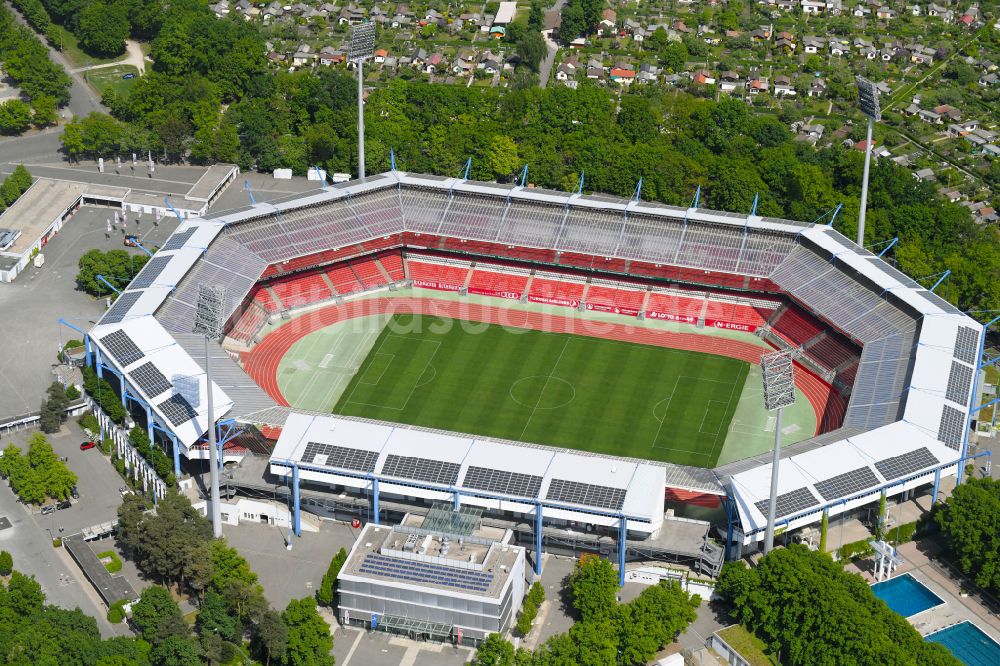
(950, 430)
(121, 306)
(586, 494)
(794, 501)
(959, 382)
(147, 276)
(421, 469)
(150, 380)
(340, 456)
(966, 344)
(499, 481)
(938, 301)
(426, 572)
(177, 409)
(906, 464)
(122, 349)
(846, 484)
(176, 241)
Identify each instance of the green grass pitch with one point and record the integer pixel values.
(563, 390)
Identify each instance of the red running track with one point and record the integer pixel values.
(262, 362)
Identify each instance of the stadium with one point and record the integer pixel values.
(563, 363)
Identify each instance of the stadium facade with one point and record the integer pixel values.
(907, 422)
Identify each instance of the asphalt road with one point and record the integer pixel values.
(28, 540)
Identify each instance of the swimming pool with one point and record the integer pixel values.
(969, 643)
(906, 595)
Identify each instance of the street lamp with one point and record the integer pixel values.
(868, 99)
(779, 392)
(361, 48)
(208, 321)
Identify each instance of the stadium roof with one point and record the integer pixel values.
(480, 469)
(914, 380)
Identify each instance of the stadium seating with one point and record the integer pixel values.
(795, 326)
(432, 274)
(737, 313)
(831, 352)
(393, 264)
(249, 323)
(302, 289)
(615, 295)
(496, 278)
(845, 378)
(344, 279)
(368, 273)
(558, 292)
(264, 299)
(674, 306)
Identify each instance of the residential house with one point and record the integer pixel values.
(672, 79)
(595, 73)
(924, 175)
(491, 66)
(566, 72)
(817, 88)
(810, 134)
(303, 57)
(813, 6)
(789, 5)
(887, 53)
(758, 85)
(885, 13)
(465, 62)
(990, 79)
(330, 56)
(419, 58)
(860, 11)
(784, 44)
(929, 117)
(783, 86)
(948, 110)
(608, 22)
(351, 15)
(276, 57)
(647, 73)
(379, 56)
(434, 64)
(622, 75)
(729, 81)
(578, 43)
(954, 196)
(914, 10)
(812, 44)
(703, 77)
(378, 15)
(986, 215)
(838, 47)
(939, 11)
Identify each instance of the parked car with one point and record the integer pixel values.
(74, 493)
(84, 446)
(130, 75)
(47, 509)
(65, 504)
(125, 491)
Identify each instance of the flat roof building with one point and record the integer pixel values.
(429, 584)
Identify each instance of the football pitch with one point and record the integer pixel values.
(562, 390)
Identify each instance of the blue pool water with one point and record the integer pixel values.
(905, 595)
(969, 643)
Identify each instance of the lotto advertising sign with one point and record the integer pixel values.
(672, 316)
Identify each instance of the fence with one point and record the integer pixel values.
(136, 466)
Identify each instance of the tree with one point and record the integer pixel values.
(44, 111)
(531, 47)
(72, 139)
(501, 157)
(970, 524)
(54, 408)
(214, 617)
(638, 120)
(103, 29)
(653, 619)
(175, 651)
(327, 589)
(270, 637)
(309, 639)
(6, 563)
(116, 266)
(100, 134)
(673, 55)
(594, 585)
(15, 116)
(154, 609)
(495, 651)
(572, 22)
(24, 595)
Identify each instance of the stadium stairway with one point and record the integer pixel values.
(274, 298)
(329, 283)
(383, 272)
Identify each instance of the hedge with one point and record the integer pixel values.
(116, 613)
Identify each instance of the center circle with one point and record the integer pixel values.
(542, 392)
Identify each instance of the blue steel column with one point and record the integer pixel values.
(937, 483)
(457, 500)
(177, 457)
(968, 417)
(149, 425)
(89, 353)
(295, 499)
(124, 399)
(375, 499)
(538, 539)
(727, 504)
(621, 551)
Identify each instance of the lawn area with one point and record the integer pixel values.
(112, 76)
(749, 646)
(71, 49)
(563, 390)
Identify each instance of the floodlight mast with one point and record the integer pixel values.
(208, 321)
(868, 99)
(361, 48)
(779, 392)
